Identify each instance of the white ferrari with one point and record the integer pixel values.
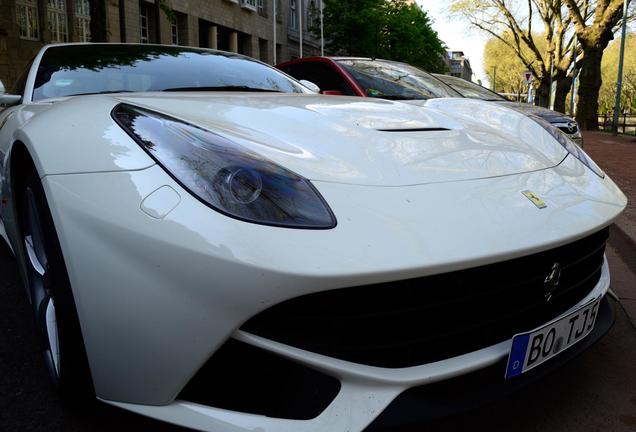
(206, 241)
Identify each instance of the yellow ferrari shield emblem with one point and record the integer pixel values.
(534, 198)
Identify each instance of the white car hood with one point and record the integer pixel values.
(369, 142)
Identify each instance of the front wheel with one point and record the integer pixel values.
(51, 294)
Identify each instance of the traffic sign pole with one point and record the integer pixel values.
(527, 76)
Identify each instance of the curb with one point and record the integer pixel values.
(623, 239)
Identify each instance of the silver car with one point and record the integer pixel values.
(469, 89)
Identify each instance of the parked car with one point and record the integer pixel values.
(399, 81)
(206, 242)
(365, 77)
(565, 124)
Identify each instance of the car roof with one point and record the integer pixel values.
(337, 58)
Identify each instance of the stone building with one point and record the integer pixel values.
(243, 26)
(459, 65)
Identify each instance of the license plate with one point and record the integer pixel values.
(531, 349)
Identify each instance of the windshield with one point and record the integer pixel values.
(88, 69)
(469, 89)
(393, 80)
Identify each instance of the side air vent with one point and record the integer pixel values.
(240, 377)
(431, 129)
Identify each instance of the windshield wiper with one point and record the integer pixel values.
(221, 88)
(102, 92)
(399, 97)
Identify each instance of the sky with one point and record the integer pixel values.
(458, 35)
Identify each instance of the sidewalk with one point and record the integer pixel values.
(616, 155)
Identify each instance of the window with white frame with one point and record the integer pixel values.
(82, 20)
(144, 35)
(27, 16)
(261, 7)
(56, 14)
(311, 14)
(174, 33)
(293, 15)
(249, 4)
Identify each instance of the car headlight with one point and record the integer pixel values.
(570, 146)
(224, 175)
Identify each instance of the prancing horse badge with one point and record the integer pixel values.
(535, 199)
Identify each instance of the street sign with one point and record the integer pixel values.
(527, 75)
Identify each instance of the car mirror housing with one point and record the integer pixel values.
(311, 86)
(7, 100)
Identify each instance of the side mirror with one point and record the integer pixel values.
(311, 86)
(7, 100)
(332, 92)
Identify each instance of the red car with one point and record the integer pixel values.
(351, 76)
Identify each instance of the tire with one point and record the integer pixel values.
(51, 294)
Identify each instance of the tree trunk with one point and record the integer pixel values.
(589, 86)
(563, 86)
(543, 92)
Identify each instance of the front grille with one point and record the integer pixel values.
(417, 321)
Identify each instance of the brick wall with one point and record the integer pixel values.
(253, 30)
(15, 53)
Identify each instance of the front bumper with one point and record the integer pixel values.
(380, 397)
(470, 391)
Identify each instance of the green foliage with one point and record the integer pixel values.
(167, 10)
(389, 29)
(510, 68)
(609, 73)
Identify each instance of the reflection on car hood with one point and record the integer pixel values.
(365, 141)
(546, 114)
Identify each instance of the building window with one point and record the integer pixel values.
(174, 33)
(293, 15)
(83, 20)
(311, 15)
(56, 13)
(143, 24)
(27, 15)
(261, 7)
(263, 50)
(249, 4)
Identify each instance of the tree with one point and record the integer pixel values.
(594, 24)
(390, 29)
(353, 26)
(609, 72)
(545, 54)
(409, 37)
(509, 75)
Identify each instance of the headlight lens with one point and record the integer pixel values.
(227, 177)
(570, 146)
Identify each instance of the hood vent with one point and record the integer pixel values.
(430, 129)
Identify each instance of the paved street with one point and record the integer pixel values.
(596, 392)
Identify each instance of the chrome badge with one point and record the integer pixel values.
(571, 127)
(551, 282)
(535, 199)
